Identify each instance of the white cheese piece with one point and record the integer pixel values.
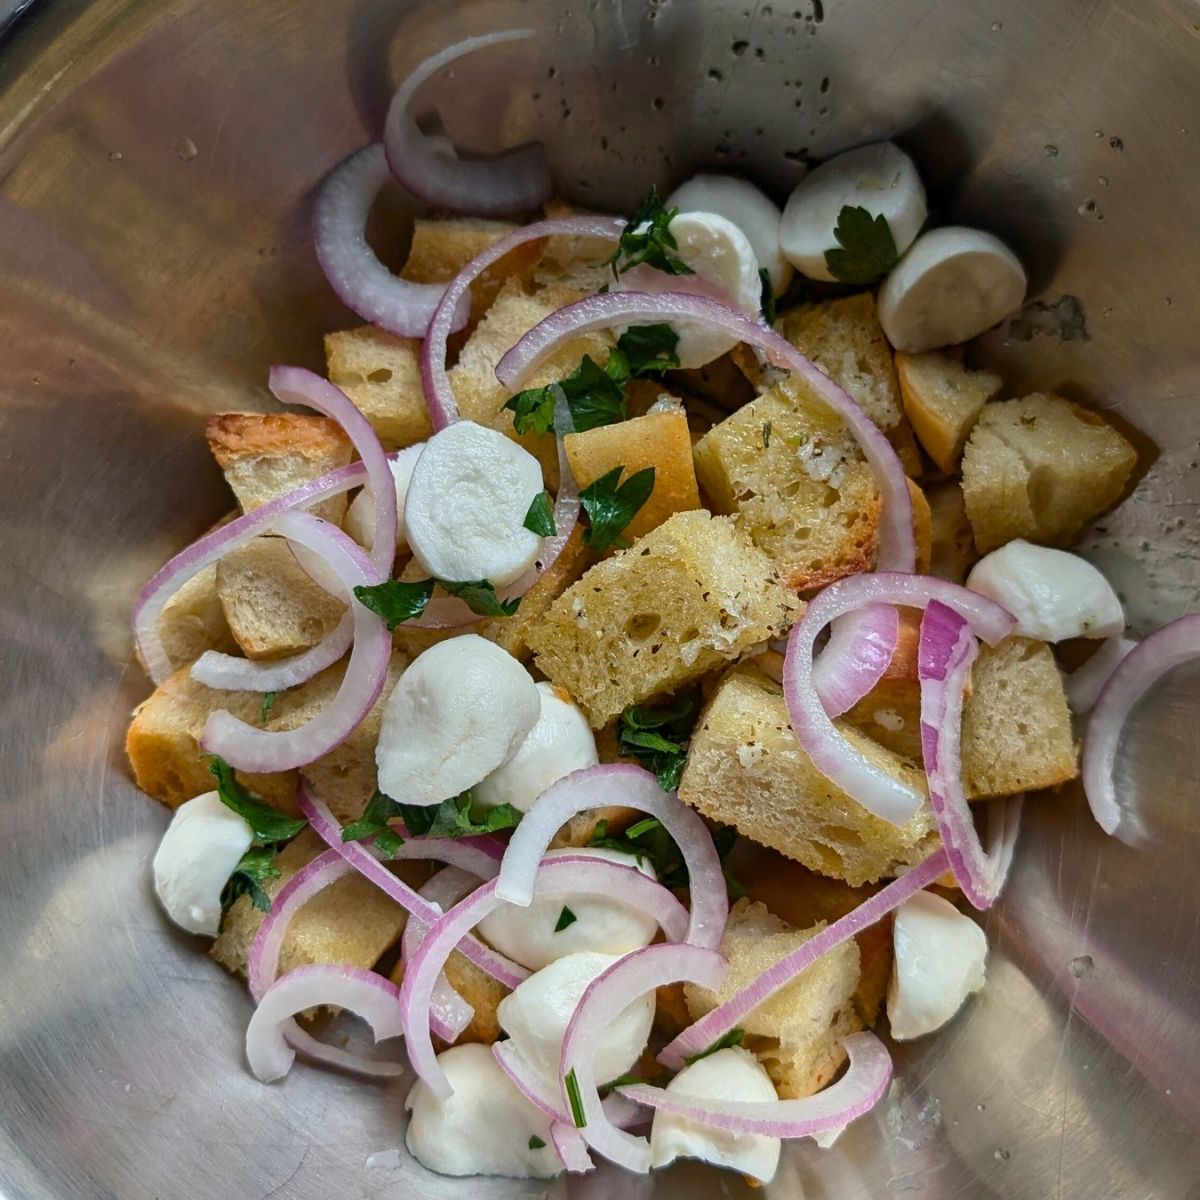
(360, 516)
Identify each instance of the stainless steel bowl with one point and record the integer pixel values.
(156, 165)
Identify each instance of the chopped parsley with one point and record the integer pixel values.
(480, 597)
(536, 1143)
(394, 601)
(566, 919)
(648, 842)
(254, 867)
(622, 1081)
(766, 434)
(646, 351)
(374, 824)
(572, 1086)
(657, 737)
(734, 1037)
(611, 505)
(648, 239)
(268, 702)
(540, 517)
(866, 249)
(768, 296)
(455, 818)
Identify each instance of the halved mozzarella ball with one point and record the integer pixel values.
(601, 924)
(739, 201)
(952, 285)
(467, 501)
(732, 1074)
(880, 178)
(199, 851)
(1053, 594)
(459, 711)
(941, 956)
(360, 516)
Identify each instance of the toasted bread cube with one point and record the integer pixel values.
(272, 605)
(943, 400)
(660, 440)
(691, 594)
(1039, 468)
(580, 262)
(797, 1033)
(193, 620)
(788, 465)
(381, 373)
(265, 455)
(951, 537)
(922, 527)
(350, 923)
(746, 769)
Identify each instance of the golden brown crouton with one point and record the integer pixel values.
(797, 1033)
(746, 769)
(922, 527)
(193, 621)
(381, 373)
(952, 540)
(691, 594)
(1039, 468)
(943, 400)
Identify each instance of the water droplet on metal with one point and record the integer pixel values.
(1050, 151)
(185, 149)
(1002, 1156)
(1081, 966)
(997, 26)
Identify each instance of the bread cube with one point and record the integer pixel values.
(796, 1034)
(579, 262)
(745, 768)
(381, 373)
(691, 594)
(952, 541)
(788, 465)
(922, 527)
(193, 620)
(890, 713)
(660, 440)
(943, 400)
(1039, 468)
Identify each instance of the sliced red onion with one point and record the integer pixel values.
(439, 395)
(573, 874)
(362, 282)
(616, 987)
(855, 658)
(1166, 648)
(897, 546)
(570, 1148)
(364, 993)
(515, 181)
(700, 1035)
(628, 786)
(888, 798)
(852, 1096)
(946, 651)
(251, 749)
(1084, 684)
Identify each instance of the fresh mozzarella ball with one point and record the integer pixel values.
(1054, 595)
(880, 178)
(360, 516)
(602, 925)
(724, 263)
(195, 859)
(952, 285)
(940, 960)
(733, 1074)
(485, 1128)
(536, 1012)
(560, 742)
(467, 501)
(459, 711)
(753, 213)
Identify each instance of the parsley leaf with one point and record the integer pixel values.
(768, 296)
(394, 601)
(648, 841)
(594, 395)
(734, 1037)
(268, 702)
(374, 824)
(610, 505)
(536, 1143)
(648, 239)
(268, 824)
(566, 919)
(480, 597)
(867, 248)
(254, 867)
(540, 517)
(454, 818)
(572, 1086)
(647, 350)
(622, 1081)
(533, 410)
(657, 737)
(766, 434)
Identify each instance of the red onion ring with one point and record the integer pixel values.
(886, 797)
(609, 993)
(855, 1094)
(1084, 684)
(568, 874)
(361, 281)
(1166, 648)
(250, 749)
(626, 785)
(855, 658)
(364, 993)
(700, 1035)
(570, 1148)
(512, 182)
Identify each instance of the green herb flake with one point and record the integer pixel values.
(480, 597)
(621, 1081)
(254, 868)
(374, 824)
(767, 296)
(566, 919)
(268, 702)
(267, 824)
(657, 737)
(540, 517)
(572, 1086)
(648, 350)
(734, 1037)
(648, 239)
(394, 601)
(866, 248)
(455, 818)
(595, 396)
(611, 505)
(536, 1143)
(766, 435)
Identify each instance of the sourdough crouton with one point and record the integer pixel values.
(788, 465)
(193, 621)
(943, 400)
(797, 1033)
(951, 538)
(265, 455)
(351, 922)
(1039, 468)
(660, 440)
(746, 769)
(271, 603)
(691, 594)
(381, 373)
(581, 262)
(922, 527)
